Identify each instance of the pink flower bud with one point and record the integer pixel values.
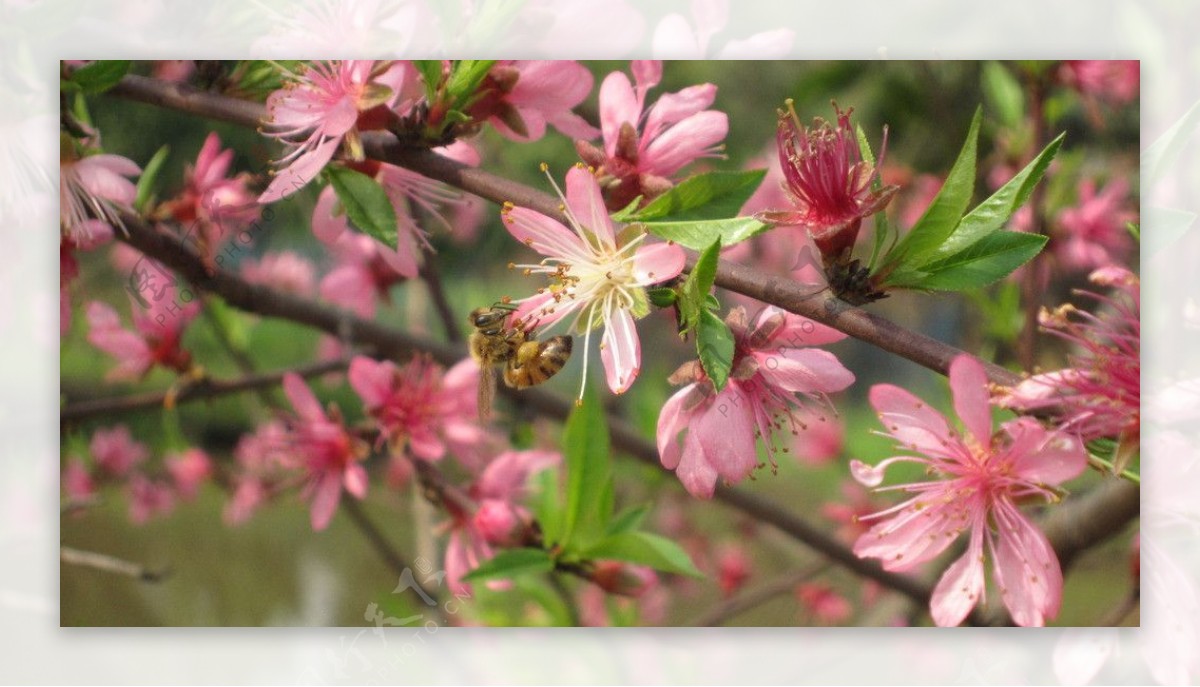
(616, 577)
(499, 523)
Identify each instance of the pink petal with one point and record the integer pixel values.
(800, 332)
(1026, 568)
(302, 399)
(618, 105)
(355, 480)
(540, 310)
(547, 236)
(372, 380)
(506, 475)
(1043, 456)
(403, 258)
(912, 536)
(676, 107)
(621, 351)
(657, 262)
(211, 163)
(804, 370)
(968, 382)
(684, 142)
(303, 170)
(325, 500)
(959, 589)
(426, 445)
(647, 73)
(457, 564)
(671, 421)
(350, 286)
(327, 226)
(586, 203)
(696, 474)
(726, 431)
(550, 85)
(910, 420)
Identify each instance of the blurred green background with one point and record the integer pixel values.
(274, 570)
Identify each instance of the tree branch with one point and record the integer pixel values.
(112, 564)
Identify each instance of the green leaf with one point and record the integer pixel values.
(693, 297)
(431, 74)
(662, 296)
(629, 520)
(1004, 93)
(625, 214)
(715, 195)
(509, 563)
(991, 214)
(714, 343)
(699, 234)
(366, 204)
(1163, 152)
(947, 207)
(983, 262)
(145, 184)
(644, 548)
(589, 473)
(100, 75)
(549, 505)
(879, 220)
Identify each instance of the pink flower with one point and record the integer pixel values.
(498, 518)
(115, 451)
(260, 459)
(733, 568)
(156, 341)
(92, 192)
(285, 271)
(593, 276)
(1116, 81)
(1099, 395)
(520, 97)
(828, 182)
(77, 480)
(820, 439)
(148, 499)
(1092, 234)
(823, 603)
(324, 451)
(773, 366)
(321, 106)
(977, 481)
(68, 267)
(212, 206)
(644, 148)
(365, 272)
(189, 469)
(422, 409)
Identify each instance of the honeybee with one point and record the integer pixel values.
(527, 362)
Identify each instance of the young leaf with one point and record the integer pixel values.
(662, 296)
(1004, 93)
(100, 75)
(431, 73)
(549, 505)
(947, 207)
(693, 297)
(145, 184)
(643, 548)
(715, 195)
(510, 563)
(879, 220)
(714, 343)
(465, 77)
(699, 234)
(991, 214)
(589, 473)
(983, 262)
(366, 203)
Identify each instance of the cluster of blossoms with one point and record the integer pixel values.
(117, 459)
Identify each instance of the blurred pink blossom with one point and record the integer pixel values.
(148, 498)
(823, 603)
(422, 410)
(592, 276)
(321, 448)
(501, 485)
(284, 271)
(320, 106)
(1093, 233)
(156, 339)
(977, 481)
(520, 97)
(644, 147)
(260, 461)
(68, 267)
(115, 451)
(733, 568)
(77, 480)
(1116, 81)
(189, 469)
(774, 365)
(363, 274)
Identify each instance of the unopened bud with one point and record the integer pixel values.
(499, 523)
(625, 579)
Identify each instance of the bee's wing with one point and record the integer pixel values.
(487, 390)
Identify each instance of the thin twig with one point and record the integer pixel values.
(437, 293)
(735, 606)
(112, 564)
(206, 388)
